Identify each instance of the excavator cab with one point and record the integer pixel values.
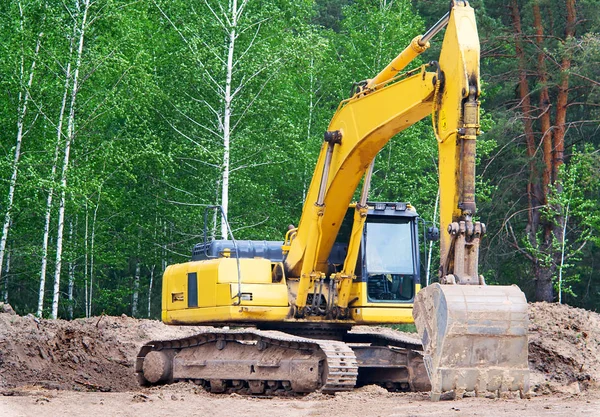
(390, 265)
(390, 253)
(387, 268)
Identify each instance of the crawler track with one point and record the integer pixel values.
(251, 361)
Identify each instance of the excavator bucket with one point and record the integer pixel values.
(474, 338)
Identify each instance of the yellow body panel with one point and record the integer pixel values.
(364, 311)
(225, 314)
(217, 284)
(218, 302)
(175, 284)
(254, 271)
(383, 315)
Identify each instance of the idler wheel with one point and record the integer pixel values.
(157, 367)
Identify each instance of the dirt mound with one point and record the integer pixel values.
(84, 354)
(98, 353)
(564, 347)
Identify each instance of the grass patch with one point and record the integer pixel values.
(407, 328)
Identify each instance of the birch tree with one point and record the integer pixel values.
(57, 149)
(25, 84)
(6, 272)
(233, 47)
(90, 290)
(136, 281)
(72, 266)
(82, 13)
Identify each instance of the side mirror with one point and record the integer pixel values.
(433, 234)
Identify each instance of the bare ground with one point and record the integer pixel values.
(85, 367)
(188, 400)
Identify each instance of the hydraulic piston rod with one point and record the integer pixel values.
(435, 29)
(417, 46)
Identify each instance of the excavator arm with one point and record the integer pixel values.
(387, 104)
(474, 336)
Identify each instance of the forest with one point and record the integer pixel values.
(122, 121)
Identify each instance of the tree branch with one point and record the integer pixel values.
(252, 102)
(197, 123)
(515, 244)
(217, 17)
(256, 165)
(183, 134)
(191, 48)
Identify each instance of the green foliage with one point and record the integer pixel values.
(147, 154)
(407, 328)
(516, 251)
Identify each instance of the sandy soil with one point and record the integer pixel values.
(564, 346)
(85, 367)
(187, 400)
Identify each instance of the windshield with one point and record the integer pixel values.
(389, 248)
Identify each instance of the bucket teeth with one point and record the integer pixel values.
(474, 338)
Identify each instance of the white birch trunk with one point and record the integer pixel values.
(227, 101)
(150, 289)
(562, 255)
(136, 289)
(163, 245)
(154, 258)
(6, 272)
(46, 234)
(71, 274)
(311, 109)
(92, 257)
(85, 262)
(59, 135)
(65, 167)
(212, 233)
(136, 280)
(23, 102)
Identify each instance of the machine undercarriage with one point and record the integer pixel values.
(257, 362)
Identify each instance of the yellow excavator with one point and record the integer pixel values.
(281, 314)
